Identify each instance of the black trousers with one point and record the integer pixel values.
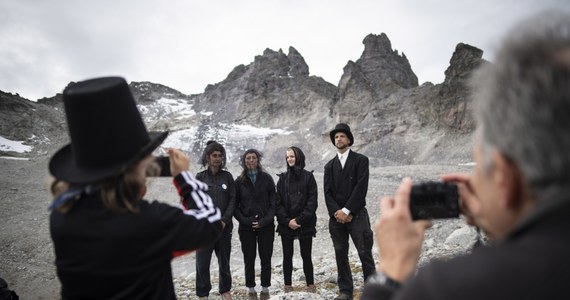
(223, 249)
(306, 245)
(251, 241)
(362, 237)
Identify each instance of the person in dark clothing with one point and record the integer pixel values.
(108, 242)
(221, 188)
(346, 186)
(518, 192)
(255, 212)
(296, 207)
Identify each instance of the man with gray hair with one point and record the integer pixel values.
(518, 193)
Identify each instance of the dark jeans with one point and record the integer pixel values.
(251, 241)
(362, 237)
(306, 245)
(223, 248)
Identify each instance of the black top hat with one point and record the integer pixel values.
(106, 130)
(342, 127)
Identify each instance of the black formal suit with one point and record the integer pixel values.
(347, 187)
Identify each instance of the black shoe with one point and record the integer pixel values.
(343, 296)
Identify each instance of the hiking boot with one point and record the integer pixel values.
(343, 296)
(264, 295)
(252, 295)
(287, 289)
(311, 288)
(226, 296)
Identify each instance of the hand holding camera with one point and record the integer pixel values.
(175, 163)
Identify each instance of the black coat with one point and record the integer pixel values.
(296, 199)
(346, 187)
(222, 190)
(101, 254)
(531, 263)
(255, 200)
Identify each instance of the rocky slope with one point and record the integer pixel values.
(405, 128)
(395, 120)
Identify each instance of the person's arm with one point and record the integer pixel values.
(357, 198)
(270, 215)
(197, 225)
(332, 206)
(243, 220)
(280, 211)
(311, 200)
(229, 213)
(398, 238)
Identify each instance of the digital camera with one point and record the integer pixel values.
(164, 164)
(434, 200)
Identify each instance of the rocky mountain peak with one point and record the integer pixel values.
(377, 74)
(464, 60)
(375, 45)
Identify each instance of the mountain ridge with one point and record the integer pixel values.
(274, 102)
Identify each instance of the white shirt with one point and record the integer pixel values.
(342, 157)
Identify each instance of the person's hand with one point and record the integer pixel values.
(469, 203)
(341, 217)
(293, 224)
(179, 161)
(398, 238)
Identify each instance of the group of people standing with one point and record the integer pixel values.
(256, 201)
(111, 245)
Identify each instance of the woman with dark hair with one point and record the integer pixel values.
(255, 211)
(108, 242)
(296, 206)
(221, 188)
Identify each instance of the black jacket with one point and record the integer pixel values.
(296, 199)
(255, 200)
(101, 254)
(346, 187)
(222, 190)
(531, 263)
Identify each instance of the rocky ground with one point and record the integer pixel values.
(26, 253)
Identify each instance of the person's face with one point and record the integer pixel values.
(488, 212)
(139, 170)
(215, 159)
(290, 157)
(251, 161)
(341, 141)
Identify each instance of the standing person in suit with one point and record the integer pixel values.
(255, 212)
(346, 185)
(221, 188)
(296, 215)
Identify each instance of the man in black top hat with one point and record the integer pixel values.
(346, 185)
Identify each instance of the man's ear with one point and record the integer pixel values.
(509, 180)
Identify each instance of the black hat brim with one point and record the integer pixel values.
(63, 166)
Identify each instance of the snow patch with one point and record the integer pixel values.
(13, 146)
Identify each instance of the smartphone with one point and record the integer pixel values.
(434, 200)
(164, 163)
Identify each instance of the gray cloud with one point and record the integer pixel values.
(189, 44)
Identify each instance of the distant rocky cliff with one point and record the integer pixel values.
(395, 120)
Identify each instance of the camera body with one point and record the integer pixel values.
(164, 163)
(434, 200)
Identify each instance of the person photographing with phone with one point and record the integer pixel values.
(518, 192)
(110, 243)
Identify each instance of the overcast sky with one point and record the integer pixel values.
(188, 44)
